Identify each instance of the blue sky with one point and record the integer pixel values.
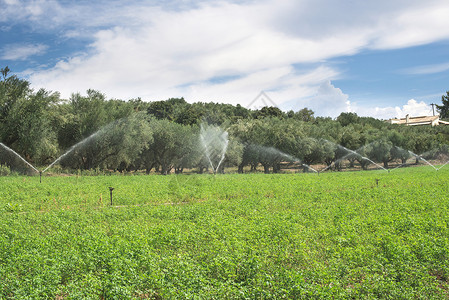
(375, 58)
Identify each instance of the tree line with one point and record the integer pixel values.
(165, 135)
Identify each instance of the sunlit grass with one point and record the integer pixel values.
(334, 235)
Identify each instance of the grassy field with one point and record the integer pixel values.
(251, 236)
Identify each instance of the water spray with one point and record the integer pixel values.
(71, 149)
(351, 152)
(16, 154)
(215, 143)
(443, 165)
(310, 168)
(423, 159)
(364, 157)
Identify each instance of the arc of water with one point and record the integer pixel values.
(417, 156)
(15, 153)
(342, 158)
(353, 152)
(206, 148)
(291, 158)
(296, 160)
(402, 164)
(222, 139)
(364, 157)
(443, 165)
(423, 159)
(309, 167)
(71, 149)
(225, 140)
(333, 163)
(398, 166)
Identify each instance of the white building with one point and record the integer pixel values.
(417, 121)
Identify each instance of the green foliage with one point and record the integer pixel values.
(380, 151)
(29, 118)
(443, 109)
(305, 114)
(166, 109)
(90, 112)
(115, 146)
(171, 145)
(179, 111)
(294, 236)
(269, 111)
(24, 122)
(133, 135)
(4, 170)
(12, 89)
(347, 118)
(11, 208)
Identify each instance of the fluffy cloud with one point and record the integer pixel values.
(280, 84)
(419, 24)
(143, 49)
(187, 48)
(412, 108)
(325, 100)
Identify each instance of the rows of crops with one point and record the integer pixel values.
(336, 235)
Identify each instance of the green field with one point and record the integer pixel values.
(252, 236)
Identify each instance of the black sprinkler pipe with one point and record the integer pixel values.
(110, 190)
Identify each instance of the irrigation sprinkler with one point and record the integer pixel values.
(377, 182)
(40, 176)
(110, 190)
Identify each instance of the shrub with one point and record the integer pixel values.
(4, 170)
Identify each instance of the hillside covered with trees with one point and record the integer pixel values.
(164, 135)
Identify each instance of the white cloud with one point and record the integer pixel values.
(188, 47)
(427, 69)
(22, 52)
(418, 24)
(412, 108)
(30, 12)
(282, 85)
(325, 100)
(145, 50)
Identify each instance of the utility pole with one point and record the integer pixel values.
(433, 108)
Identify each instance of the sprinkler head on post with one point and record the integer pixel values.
(40, 176)
(110, 190)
